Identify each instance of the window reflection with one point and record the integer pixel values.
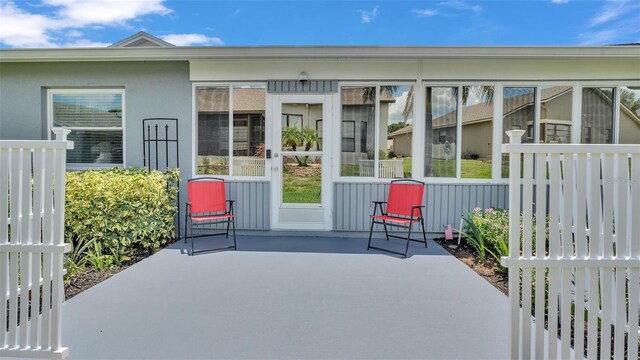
(477, 132)
(629, 115)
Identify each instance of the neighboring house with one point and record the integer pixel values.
(234, 103)
(555, 122)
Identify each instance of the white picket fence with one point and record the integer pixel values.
(248, 166)
(32, 247)
(591, 259)
(387, 169)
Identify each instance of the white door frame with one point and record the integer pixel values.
(281, 214)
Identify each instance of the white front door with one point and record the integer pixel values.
(300, 167)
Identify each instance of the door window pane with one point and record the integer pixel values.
(358, 107)
(597, 115)
(629, 115)
(396, 130)
(441, 131)
(299, 126)
(213, 130)
(301, 184)
(477, 132)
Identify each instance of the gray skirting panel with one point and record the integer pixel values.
(253, 204)
(445, 203)
(352, 203)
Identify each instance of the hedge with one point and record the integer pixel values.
(119, 210)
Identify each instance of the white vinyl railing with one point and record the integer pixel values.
(387, 169)
(32, 247)
(583, 271)
(248, 166)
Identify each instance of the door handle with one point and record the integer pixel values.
(275, 155)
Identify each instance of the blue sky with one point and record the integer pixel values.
(81, 23)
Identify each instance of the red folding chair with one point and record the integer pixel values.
(403, 209)
(207, 206)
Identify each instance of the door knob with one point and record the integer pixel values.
(275, 155)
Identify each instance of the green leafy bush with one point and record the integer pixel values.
(111, 213)
(487, 233)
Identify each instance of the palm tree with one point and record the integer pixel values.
(293, 137)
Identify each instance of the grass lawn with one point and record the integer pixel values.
(301, 190)
(470, 169)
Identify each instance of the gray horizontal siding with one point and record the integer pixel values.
(445, 203)
(295, 86)
(253, 204)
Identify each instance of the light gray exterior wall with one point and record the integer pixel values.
(445, 203)
(163, 89)
(152, 89)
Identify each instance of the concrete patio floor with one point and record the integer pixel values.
(290, 297)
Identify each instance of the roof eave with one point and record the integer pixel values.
(314, 52)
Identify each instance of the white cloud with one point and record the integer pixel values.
(396, 109)
(617, 21)
(425, 12)
(21, 28)
(598, 37)
(368, 16)
(192, 39)
(612, 10)
(559, 1)
(76, 13)
(82, 43)
(462, 5)
(74, 33)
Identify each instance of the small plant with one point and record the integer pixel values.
(487, 232)
(97, 259)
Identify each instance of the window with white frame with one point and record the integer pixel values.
(96, 120)
(223, 149)
(382, 146)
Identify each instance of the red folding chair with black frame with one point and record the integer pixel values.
(403, 209)
(208, 205)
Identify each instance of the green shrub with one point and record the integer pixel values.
(487, 232)
(118, 211)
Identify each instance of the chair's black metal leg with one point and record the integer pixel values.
(191, 227)
(186, 216)
(424, 234)
(370, 233)
(235, 246)
(406, 249)
(384, 223)
(227, 236)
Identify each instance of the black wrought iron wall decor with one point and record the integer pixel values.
(161, 151)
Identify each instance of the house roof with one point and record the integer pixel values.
(355, 96)
(118, 52)
(252, 100)
(141, 40)
(245, 100)
(484, 111)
